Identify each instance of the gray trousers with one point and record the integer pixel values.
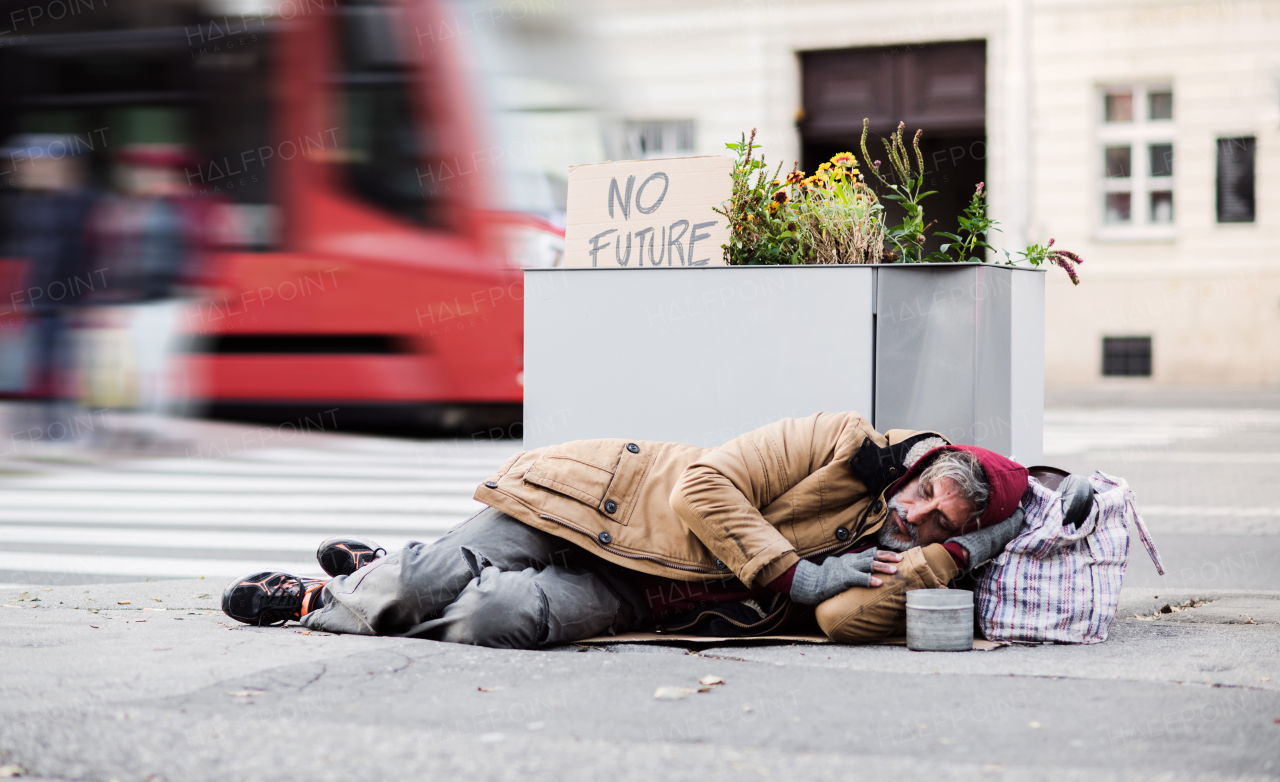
(491, 582)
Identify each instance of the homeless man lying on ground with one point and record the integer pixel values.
(762, 535)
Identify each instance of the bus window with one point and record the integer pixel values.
(383, 146)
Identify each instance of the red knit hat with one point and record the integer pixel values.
(1008, 481)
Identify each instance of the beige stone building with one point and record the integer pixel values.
(1142, 134)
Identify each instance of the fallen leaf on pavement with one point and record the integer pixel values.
(672, 693)
(158, 600)
(123, 602)
(488, 689)
(710, 681)
(202, 597)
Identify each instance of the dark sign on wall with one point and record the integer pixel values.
(1235, 179)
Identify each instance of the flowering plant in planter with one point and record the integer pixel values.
(908, 191)
(835, 217)
(829, 217)
(1036, 255)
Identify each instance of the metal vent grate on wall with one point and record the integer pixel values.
(1126, 356)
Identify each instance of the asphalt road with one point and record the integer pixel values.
(165, 687)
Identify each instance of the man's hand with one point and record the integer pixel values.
(814, 583)
(1077, 499)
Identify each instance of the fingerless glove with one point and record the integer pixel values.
(814, 583)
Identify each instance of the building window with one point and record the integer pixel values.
(645, 139)
(1235, 179)
(1126, 356)
(1136, 135)
(383, 154)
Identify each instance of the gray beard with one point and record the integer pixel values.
(888, 540)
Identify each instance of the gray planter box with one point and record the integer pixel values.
(702, 355)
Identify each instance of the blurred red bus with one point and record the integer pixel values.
(384, 169)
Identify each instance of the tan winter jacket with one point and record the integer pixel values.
(753, 506)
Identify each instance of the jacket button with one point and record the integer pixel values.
(610, 506)
(877, 506)
(632, 447)
(842, 533)
(605, 538)
(720, 564)
(491, 484)
(893, 470)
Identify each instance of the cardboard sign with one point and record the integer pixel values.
(643, 213)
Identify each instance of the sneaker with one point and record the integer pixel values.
(343, 556)
(265, 598)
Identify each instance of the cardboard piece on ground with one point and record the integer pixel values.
(979, 644)
(644, 213)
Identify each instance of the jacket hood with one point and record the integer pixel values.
(1007, 478)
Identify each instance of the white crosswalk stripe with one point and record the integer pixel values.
(221, 517)
(1140, 431)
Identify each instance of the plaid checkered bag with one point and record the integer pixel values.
(1053, 583)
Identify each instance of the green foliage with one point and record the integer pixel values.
(834, 217)
(830, 217)
(907, 238)
(757, 233)
(1036, 255)
(975, 227)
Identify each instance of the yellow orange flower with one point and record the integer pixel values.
(824, 167)
(795, 177)
(844, 159)
(780, 197)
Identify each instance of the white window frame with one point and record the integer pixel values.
(672, 133)
(1139, 135)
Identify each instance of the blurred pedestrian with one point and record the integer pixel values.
(44, 226)
(150, 236)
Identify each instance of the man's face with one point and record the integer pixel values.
(920, 515)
